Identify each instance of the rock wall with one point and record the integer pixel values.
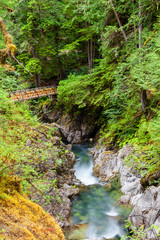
(145, 203)
(75, 127)
(76, 130)
(52, 161)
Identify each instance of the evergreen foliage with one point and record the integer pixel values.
(125, 83)
(107, 56)
(107, 52)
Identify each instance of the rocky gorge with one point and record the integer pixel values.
(109, 164)
(56, 184)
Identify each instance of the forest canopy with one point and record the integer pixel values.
(105, 56)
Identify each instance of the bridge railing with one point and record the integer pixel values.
(26, 94)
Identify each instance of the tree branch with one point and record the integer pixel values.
(22, 65)
(118, 20)
(7, 8)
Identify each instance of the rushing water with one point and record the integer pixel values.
(94, 206)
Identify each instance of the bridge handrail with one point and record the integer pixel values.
(32, 89)
(31, 93)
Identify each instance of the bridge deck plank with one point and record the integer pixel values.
(27, 94)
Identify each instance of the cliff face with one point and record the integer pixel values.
(52, 183)
(145, 201)
(75, 126)
(22, 219)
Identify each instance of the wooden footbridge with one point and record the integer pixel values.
(27, 94)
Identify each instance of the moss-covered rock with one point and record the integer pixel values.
(151, 179)
(22, 219)
(44, 165)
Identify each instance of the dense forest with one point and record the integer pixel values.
(103, 55)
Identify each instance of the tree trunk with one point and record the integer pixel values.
(143, 100)
(140, 24)
(135, 29)
(10, 49)
(91, 53)
(37, 80)
(94, 49)
(37, 76)
(91, 41)
(118, 20)
(143, 92)
(89, 58)
(61, 72)
(58, 58)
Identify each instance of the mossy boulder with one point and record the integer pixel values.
(22, 219)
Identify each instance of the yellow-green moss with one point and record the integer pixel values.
(78, 232)
(97, 169)
(22, 219)
(10, 49)
(152, 178)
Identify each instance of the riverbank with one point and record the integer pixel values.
(145, 202)
(33, 154)
(110, 163)
(54, 183)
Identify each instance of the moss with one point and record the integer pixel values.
(22, 219)
(78, 232)
(10, 49)
(115, 188)
(97, 170)
(151, 179)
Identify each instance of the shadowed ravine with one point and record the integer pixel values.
(94, 207)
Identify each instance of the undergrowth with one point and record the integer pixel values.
(140, 133)
(26, 146)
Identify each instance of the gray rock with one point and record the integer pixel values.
(125, 199)
(146, 204)
(72, 129)
(94, 239)
(69, 191)
(28, 142)
(77, 137)
(147, 209)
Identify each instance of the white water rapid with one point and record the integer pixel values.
(84, 166)
(94, 206)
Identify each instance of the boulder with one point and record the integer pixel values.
(70, 191)
(52, 161)
(147, 211)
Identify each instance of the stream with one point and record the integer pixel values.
(93, 209)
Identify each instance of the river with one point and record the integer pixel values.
(93, 209)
